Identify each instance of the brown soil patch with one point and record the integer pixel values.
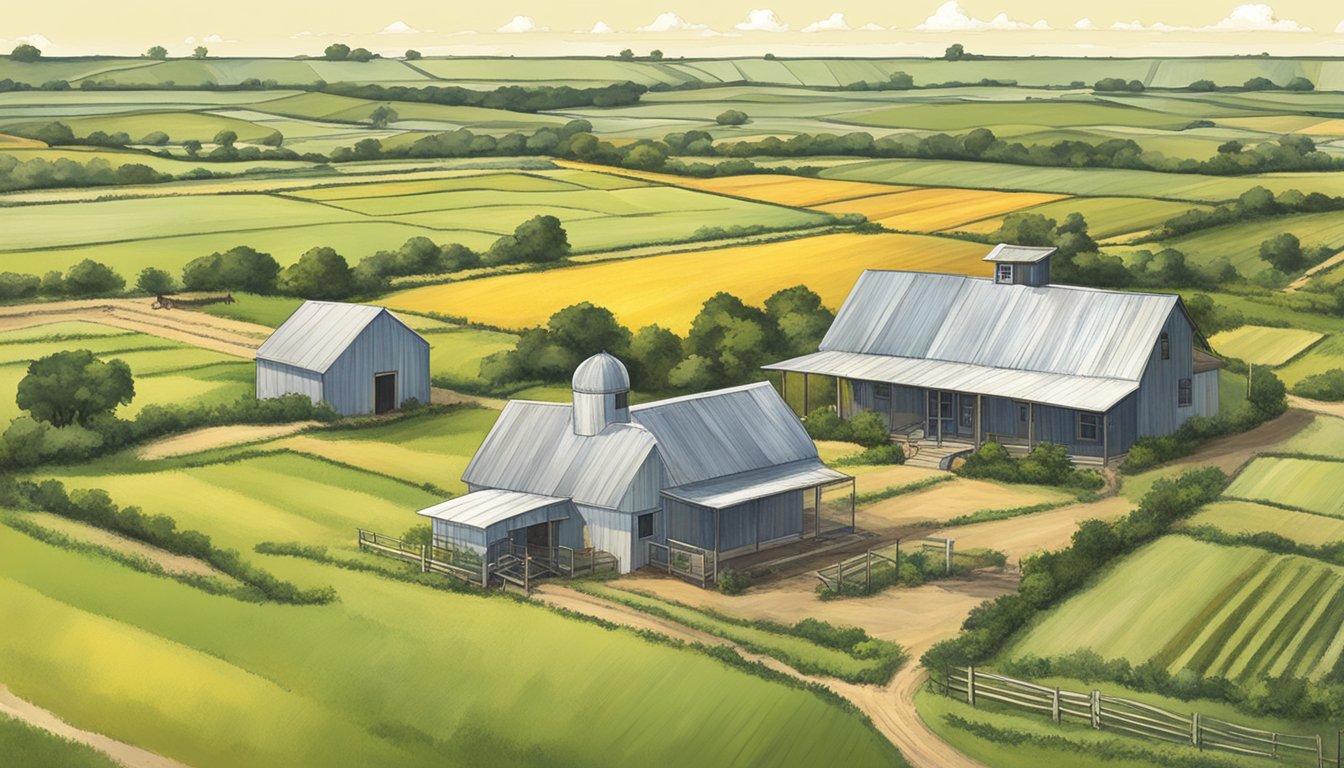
(948, 500)
(126, 754)
(1018, 537)
(232, 337)
(217, 437)
(1317, 406)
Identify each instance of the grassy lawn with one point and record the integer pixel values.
(1323, 437)
(269, 311)
(1240, 243)
(456, 354)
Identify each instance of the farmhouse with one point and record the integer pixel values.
(687, 483)
(952, 361)
(359, 359)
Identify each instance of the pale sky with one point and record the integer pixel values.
(685, 27)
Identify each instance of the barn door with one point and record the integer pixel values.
(384, 392)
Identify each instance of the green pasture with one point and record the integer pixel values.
(1326, 355)
(1239, 244)
(270, 311)
(1306, 484)
(1245, 517)
(964, 116)
(179, 125)
(34, 747)
(1324, 436)
(1235, 612)
(1106, 216)
(1261, 345)
(457, 354)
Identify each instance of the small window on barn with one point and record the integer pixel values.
(646, 526)
(882, 390)
(1165, 343)
(1185, 392)
(1022, 413)
(1089, 427)
(1003, 273)
(622, 400)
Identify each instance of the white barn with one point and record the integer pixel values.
(360, 359)
(716, 475)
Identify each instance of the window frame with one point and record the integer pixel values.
(622, 401)
(1164, 345)
(1004, 273)
(1095, 427)
(639, 526)
(1185, 393)
(881, 390)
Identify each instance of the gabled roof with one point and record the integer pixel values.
(318, 332)
(533, 449)
(724, 432)
(1047, 329)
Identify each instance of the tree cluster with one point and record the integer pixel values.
(343, 52)
(39, 173)
(514, 98)
(728, 342)
(1255, 203)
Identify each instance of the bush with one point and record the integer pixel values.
(732, 117)
(733, 581)
(91, 278)
(887, 453)
(1047, 464)
(1327, 386)
(321, 273)
(155, 281)
(238, 269)
(868, 429)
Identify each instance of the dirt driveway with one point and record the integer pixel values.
(126, 754)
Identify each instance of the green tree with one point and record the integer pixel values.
(955, 52)
(157, 52)
(155, 281)
(192, 146)
(732, 117)
(73, 386)
(241, 268)
(200, 53)
(654, 352)
(656, 55)
(1232, 147)
(321, 273)
(1201, 86)
(644, 157)
(90, 278)
(54, 134)
(800, 317)
(585, 330)
(626, 54)
(25, 53)
(735, 338)
(1300, 84)
(1259, 84)
(336, 52)
(1284, 252)
(382, 116)
(1025, 229)
(226, 138)
(539, 239)
(1267, 394)
(155, 139)
(900, 81)
(413, 55)
(361, 55)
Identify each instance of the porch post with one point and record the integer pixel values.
(1031, 426)
(716, 538)
(979, 403)
(784, 385)
(853, 484)
(939, 413)
(805, 394)
(838, 405)
(817, 533)
(1105, 440)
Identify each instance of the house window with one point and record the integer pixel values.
(1003, 273)
(1022, 413)
(646, 526)
(882, 390)
(622, 400)
(1089, 427)
(1185, 392)
(1164, 342)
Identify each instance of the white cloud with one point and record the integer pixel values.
(671, 22)
(950, 17)
(762, 20)
(836, 23)
(36, 39)
(1340, 28)
(1255, 17)
(521, 24)
(600, 28)
(191, 40)
(399, 28)
(871, 27)
(214, 39)
(1084, 23)
(1138, 26)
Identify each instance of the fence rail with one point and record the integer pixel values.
(514, 564)
(1135, 718)
(694, 564)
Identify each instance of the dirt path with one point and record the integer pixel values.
(87, 533)
(1018, 537)
(126, 754)
(217, 437)
(1231, 452)
(232, 337)
(1328, 264)
(1317, 406)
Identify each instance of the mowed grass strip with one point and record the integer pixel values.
(931, 210)
(669, 290)
(1323, 356)
(1262, 345)
(1306, 484)
(1247, 517)
(1232, 611)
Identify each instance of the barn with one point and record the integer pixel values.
(951, 362)
(699, 479)
(359, 359)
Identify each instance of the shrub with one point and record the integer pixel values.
(1322, 386)
(1047, 464)
(91, 278)
(732, 117)
(887, 453)
(733, 581)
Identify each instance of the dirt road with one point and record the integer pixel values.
(125, 754)
(232, 337)
(1317, 406)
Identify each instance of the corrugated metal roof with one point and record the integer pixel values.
(1018, 254)
(728, 491)
(724, 432)
(532, 448)
(601, 374)
(956, 319)
(1081, 392)
(483, 509)
(318, 332)
(1205, 362)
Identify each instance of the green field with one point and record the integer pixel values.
(1106, 216)
(32, 747)
(1235, 612)
(1263, 346)
(1306, 484)
(1239, 244)
(1324, 436)
(1328, 354)
(1237, 517)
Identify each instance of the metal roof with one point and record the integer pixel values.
(318, 333)
(1018, 254)
(724, 432)
(601, 374)
(722, 492)
(1081, 392)
(957, 319)
(1205, 362)
(483, 509)
(532, 448)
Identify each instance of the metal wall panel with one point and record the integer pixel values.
(645, 489)
(384, 345)
(1206, 393)
(1158, 412)
(611, 531)
(276, 379)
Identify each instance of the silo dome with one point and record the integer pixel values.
(601, 374)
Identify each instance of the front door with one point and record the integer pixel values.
(384, 392)
(942, 415)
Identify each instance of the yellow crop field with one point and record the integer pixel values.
(670, 289)
(1260, 345)
(935, 208)
(18, 141)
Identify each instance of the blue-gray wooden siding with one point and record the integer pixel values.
(1206, 394)
(384, 346)
(745, 525)
(276, 379)
(617, 532)
(1036, 274)
(1158, 412)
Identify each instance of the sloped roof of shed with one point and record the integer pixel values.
(318, 332)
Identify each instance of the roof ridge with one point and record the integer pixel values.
(700, 395)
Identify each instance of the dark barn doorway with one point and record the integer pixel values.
(384, 392)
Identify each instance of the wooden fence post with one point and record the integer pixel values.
(1054, 707)
(424, 558)
(868, 573)
(948, 552)
(1320, 752)
(1194, 730)
(840, 580)
(1096, 709)
(970, 686)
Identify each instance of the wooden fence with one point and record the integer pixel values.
(879, 568)
(855, 574)
(694, 564)
(516, 565)
(1134, 718)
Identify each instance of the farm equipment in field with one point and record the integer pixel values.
(163, 301)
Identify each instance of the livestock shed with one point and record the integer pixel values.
(359, 359)
(702, 478)
(957, 361)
